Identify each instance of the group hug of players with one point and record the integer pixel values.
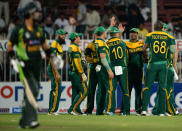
(117, 61)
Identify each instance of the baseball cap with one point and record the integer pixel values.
(73, 35)
(99, 30)
(61, 32)
(134, 30)
(114, 30)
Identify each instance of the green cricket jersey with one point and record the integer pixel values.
(135, 53)
(56, 49)
(101, 47)
(158, 43)
(170, 56)
(29, 39)
(75, 58)
(118, 52)
(90, 53)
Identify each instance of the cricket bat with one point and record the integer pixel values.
(28, 92)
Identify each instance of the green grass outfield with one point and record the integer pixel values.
(65, 122)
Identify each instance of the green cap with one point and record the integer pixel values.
(165, 26)
(73, 35)
(61, 32)
(95, 31)
(114, 30)
(134, 30)
(99, 30)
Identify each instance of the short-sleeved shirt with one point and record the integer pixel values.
(75, 58)
(90, 53)
(80, 12)
(135, 53)
(158, 43)
(30, 39)
(101, 47)
(56, 48)
(118, 52)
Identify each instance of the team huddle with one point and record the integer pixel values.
(117, 61)
(109, 61)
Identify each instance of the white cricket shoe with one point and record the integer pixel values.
(144, 113)
(74, 113)
(167, 114)
(177, 112)
(110, 113)
(54, 114)
(161, 114)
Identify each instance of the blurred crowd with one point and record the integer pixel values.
(85, 17)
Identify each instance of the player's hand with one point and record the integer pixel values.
(58, 77)
(111, 74)
(84, 77)
(121, 27)
(112, 21)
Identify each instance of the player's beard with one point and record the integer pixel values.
(37, 18)
(61, 41)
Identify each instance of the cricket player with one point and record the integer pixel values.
(135, 66)
(160, 44)
(104, 73)
(28, 39)
(92, 59)
(170, 102)
(55, 93)
(118, 57)
(77, 75)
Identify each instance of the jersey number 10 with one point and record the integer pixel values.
(118, 52)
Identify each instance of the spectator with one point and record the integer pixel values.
(133, 2)
(71, 27)
(122, 14)
(13, 22)
(4, 4)
(106, 18)
(170, 27)
(134, 18)
(115, 2)
(61, 22)
(142, 32)
(2, 28)
(92, 19)
(49, 28)
(81, 17)
(144, 11)
(175, 22)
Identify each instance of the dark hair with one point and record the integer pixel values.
(158, 25)
(72, 40)
(27, 16)
(89, 6)
(99, 33)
